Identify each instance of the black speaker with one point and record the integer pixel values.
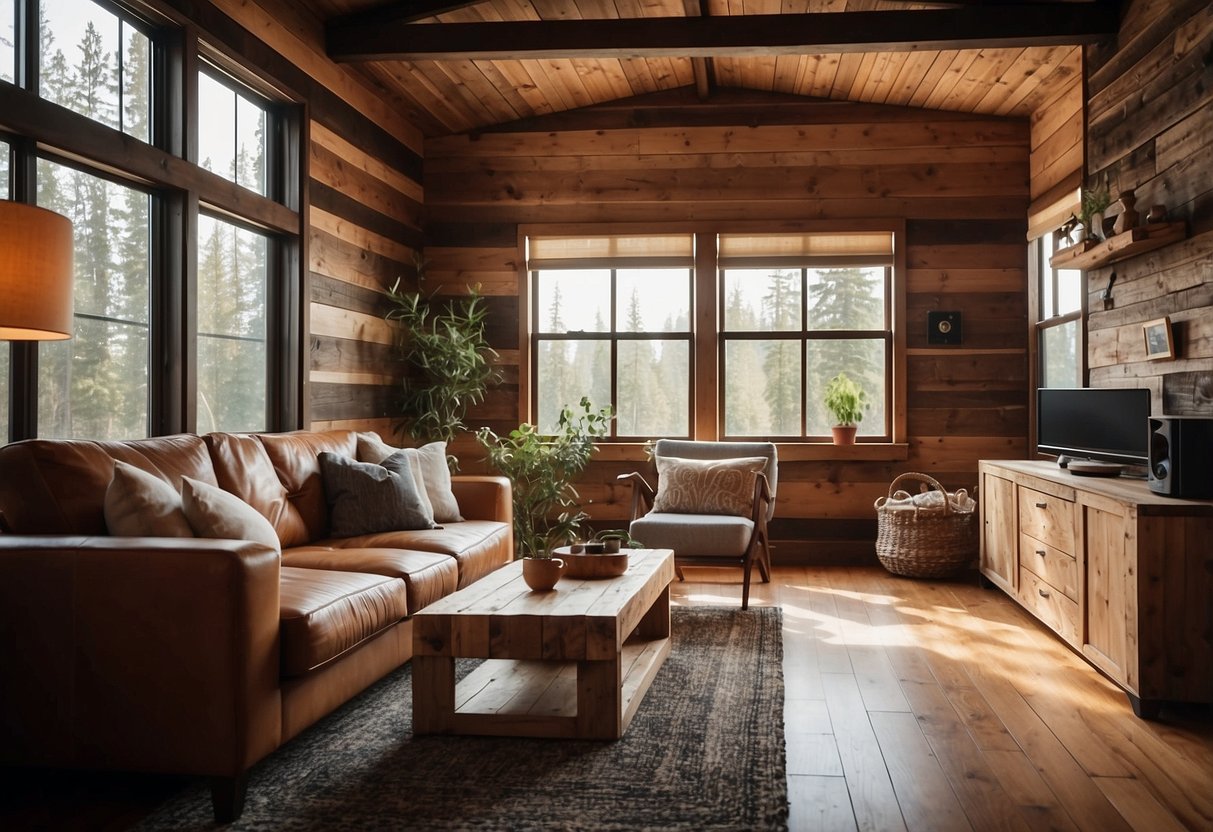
(1181, 456)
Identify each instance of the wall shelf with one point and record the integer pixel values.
(1119, 247)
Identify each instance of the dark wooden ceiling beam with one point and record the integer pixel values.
(401, 12)
(1052, 24)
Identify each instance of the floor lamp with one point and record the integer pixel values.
(36, 275)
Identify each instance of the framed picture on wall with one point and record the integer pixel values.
(1160, 344)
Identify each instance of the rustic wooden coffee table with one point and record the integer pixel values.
(573, 662)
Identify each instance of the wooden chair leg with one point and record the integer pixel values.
(745, 585)
(764, 562)
(678, 571)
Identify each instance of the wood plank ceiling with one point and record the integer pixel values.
(457, 93)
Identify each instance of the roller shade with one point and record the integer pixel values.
(747, 249)
(618, 251)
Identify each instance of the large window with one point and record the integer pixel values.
(96, 384)
(620, 337)
(232, 368)
(96, 63)
(184, 286)
(1060, 319)
(732, 334)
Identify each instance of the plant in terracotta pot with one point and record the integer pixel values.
(541, 468)
(846, 401)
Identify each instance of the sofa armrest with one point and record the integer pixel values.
(484, 498)
(146, 654)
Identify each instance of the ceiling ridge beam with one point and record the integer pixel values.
(1044, 24)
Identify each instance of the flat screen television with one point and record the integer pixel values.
(1106, 424)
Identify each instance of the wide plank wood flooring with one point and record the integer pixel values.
(918, 705)
(937, 705)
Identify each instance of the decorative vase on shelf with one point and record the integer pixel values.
(541, 574)
(1127, 220)
(1095, 227)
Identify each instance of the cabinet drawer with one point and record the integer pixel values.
(1047, 518)
(1050, 564)
(1050, 605)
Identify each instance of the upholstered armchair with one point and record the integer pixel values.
(711, 506)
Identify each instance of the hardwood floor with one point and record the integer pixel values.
(920, 705)
(936, 705)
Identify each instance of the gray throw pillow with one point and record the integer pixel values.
(365, 498)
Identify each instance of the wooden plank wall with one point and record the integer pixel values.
(364, 216)
(1056, 161)
(1150, 116)
(960, 182)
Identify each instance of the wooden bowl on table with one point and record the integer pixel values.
(586, 565)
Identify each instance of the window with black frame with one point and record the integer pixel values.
(169, 264)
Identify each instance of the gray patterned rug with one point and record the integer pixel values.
(704, 752)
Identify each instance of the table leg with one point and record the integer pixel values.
(600, 699)
(433, 694)
(656, 622)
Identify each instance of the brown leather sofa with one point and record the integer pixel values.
(201, 656)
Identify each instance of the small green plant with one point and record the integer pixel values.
(541, 468)
(448, 360)
(1094, 201)
(845, 400)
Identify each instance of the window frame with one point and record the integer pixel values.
(166, 167)
(706, 321)
(613, 335)
(1047, 282)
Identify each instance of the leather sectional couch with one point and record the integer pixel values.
(201, 656)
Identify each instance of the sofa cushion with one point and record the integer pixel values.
(139, 504)
(479, 546)
(295, 460)
(364, 497)
(428, 576)
(57, 486)
(700, 535)
(243, 468)
(324, 614)
(213, 512)
(435, 472)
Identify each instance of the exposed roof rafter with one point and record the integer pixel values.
(968, 27)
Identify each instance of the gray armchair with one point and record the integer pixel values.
(710, 539)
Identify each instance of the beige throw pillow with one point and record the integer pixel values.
(213, 512)
(139, 504)
(707, 486)
(429, 467)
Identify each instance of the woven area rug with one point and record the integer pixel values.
(705, 751)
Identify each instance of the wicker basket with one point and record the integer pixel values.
(924, 542)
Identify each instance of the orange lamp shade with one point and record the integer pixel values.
(36, 275)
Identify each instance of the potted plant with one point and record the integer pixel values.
(1091, 214)
(541, 468)
(846, 401)
(448, 360)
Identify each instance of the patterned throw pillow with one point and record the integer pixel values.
(707, 486)
(365, 498)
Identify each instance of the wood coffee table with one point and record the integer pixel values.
(573, 662)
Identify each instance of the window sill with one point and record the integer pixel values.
(788, 452)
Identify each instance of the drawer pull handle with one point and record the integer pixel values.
(1042, 505)
(1040, 552)
(1044, 593)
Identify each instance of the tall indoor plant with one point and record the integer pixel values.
(846, 401)
(541, 468)
(448, 361)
